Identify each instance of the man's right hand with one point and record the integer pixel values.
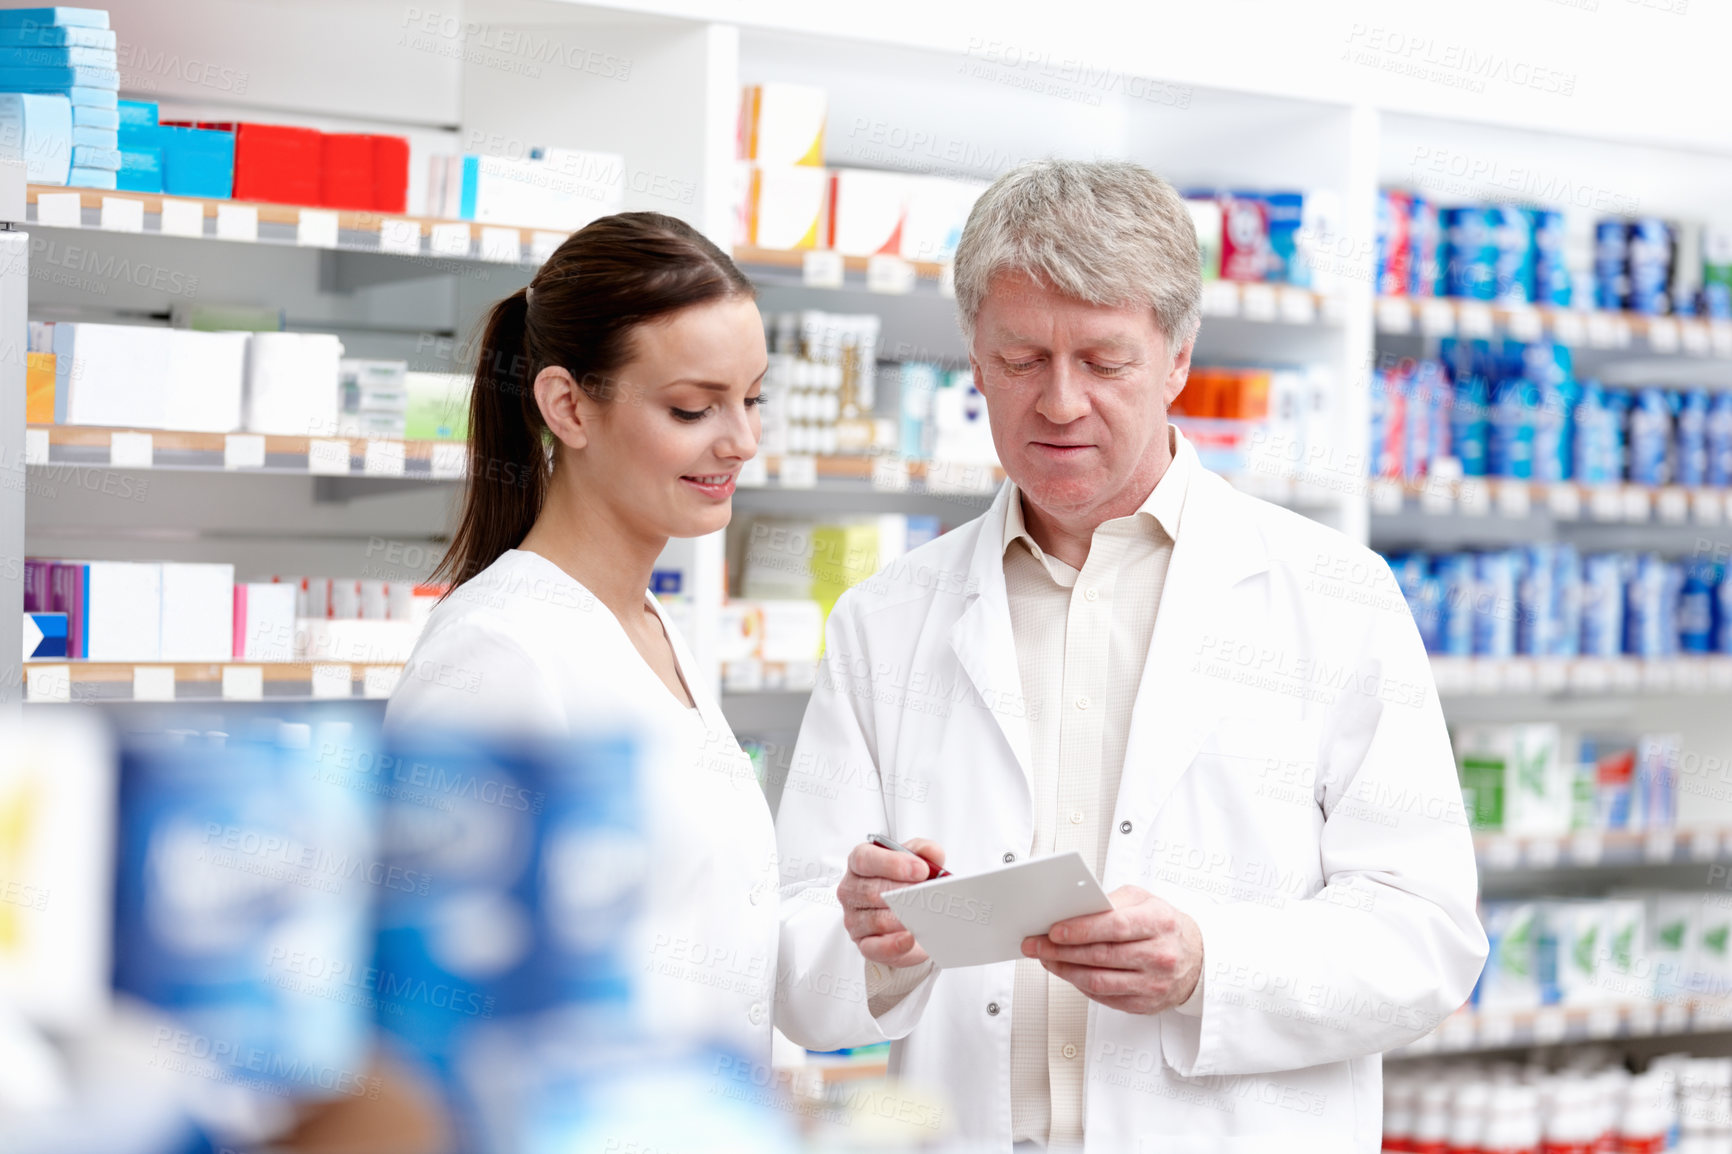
(872, 869)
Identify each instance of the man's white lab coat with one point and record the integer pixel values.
(1288, 783)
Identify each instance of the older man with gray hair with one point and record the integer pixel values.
(1223, 707)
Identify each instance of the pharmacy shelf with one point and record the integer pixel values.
(195, 218)
(1568, 501)
(1581, 676)
(1590, 329)
(61, 682)
(1468, 1031)
(1608, 849)
(92, 446)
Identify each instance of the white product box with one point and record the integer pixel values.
(57, 792)
(123, 611)
(787, 206)
(291, 384)
(938, 208)
(264, 621)
(1206, 217)
(867, 209)
(111, 375)
(36, 129)
(792, 630)
(206, 381)
(783, 124)
(197, 612)
(355, 641)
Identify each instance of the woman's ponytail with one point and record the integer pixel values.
(578, 313)
(507, 463)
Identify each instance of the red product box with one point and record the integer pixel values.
(1395, 242)
(1245, 250)
(278, 163)
(391, 173)
(346, 177)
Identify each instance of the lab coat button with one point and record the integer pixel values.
(756, 1014)
(1009, 857)
(992, 1009)
(1124, 827)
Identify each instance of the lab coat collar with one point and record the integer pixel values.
(1221, 546)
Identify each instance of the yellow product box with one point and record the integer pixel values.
(783, 124)
(39, 388)
(788, 206)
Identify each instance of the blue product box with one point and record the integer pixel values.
(1611, 264)
(137, 113)
(1719, 434)
(1554, 432)
(103, 178)
(546, 809)
(1469, 424)
(1690, 453)
(1651, 438)
(242, 904)
(1472, 268)
(1696, 607)
(195, 161)
(1454, 572)
(95, 137)
(1723, 611)
(56, 56)
(44, 636)
(1536, 595)
(1645, 616)
(1286, 264)
(58, 35)
(35, 18)
(1602, 605)
(84, 116)
(89, 156)
(1425, 235)
(1515, 256)
(1650, 250)
(140, 170)
(1510, 445)
(1566, 601)
(52, 79)
(1495, 606)
(1551, 275)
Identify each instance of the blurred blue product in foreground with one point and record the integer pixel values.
(242, 905)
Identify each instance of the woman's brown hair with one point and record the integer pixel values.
(578, 313)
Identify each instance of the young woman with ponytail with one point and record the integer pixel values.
(616, 399)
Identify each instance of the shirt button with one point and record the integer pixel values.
(1069, 1050)
(1091, 594)
(756, 1014)
(1009, 857)
(1082, 703)
(1076, 817)
(992, 1009)
(1124, 827)
(873, 972)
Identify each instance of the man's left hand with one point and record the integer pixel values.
(1143, 957)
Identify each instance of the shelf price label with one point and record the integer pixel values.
(383, 459)
(243, 451)
(1550, 1024)
(153, 683)
(1298, 306)
(1605, 503)
(1473, 497)
(402, 237)
(504, 245)
(1475, 320)
(890, 474)
(1659, 845)
(1386, 496)
(1496, 1030)
(1663, 334)
(317, 228)
(333, 681)
(237, 221)
(1707, 506)
(1524, 323)
(243, 683)
(60, 209)
(1564, 502)
(131, 451)
(1720, 337)
(542, 245)
(1602, 331)
(35, 446)
(327, 458)
(1513, 499)
(1568, 328)
(1673, 505)
(798, 472)
(754, 474)
(1394, 315)
(1694, 337)
(822, 268)
(1220, 298)
(47, 682)
(1436, 318)
(947, 279)
(889, 274)
(450, 460)
(378, 681)
(1638, 503)
(1604, 1021)
(1587, 847)
(122, 214)
(182, 217)
(1258, 302)
(1501, 853)
(449, 239)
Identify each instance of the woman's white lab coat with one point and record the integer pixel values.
(524, 649)
(1288, 783)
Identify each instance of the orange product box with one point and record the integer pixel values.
(39, 388)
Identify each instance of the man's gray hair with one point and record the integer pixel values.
(1106, 232)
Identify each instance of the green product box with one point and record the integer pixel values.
(436, 406)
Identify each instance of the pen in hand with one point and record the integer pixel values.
(879, 839)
